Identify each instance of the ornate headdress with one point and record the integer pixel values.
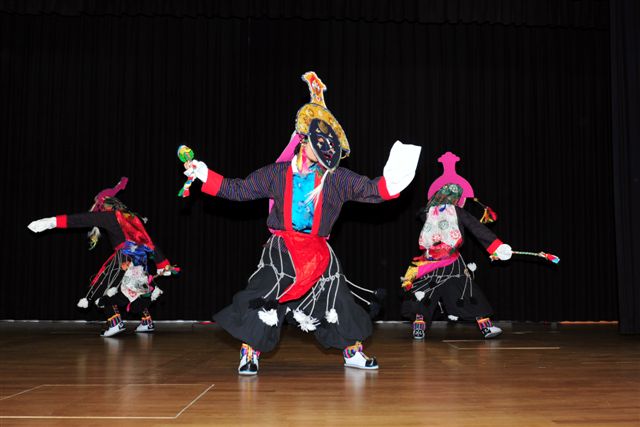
(98, 204)
(316, 122)
(450, 176)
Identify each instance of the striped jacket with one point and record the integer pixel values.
(275, 181)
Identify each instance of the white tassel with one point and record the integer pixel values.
(269, 317)
(420, 295)
(83, 303)
(315, 193)
(95, 231)
(112, 291)
(472, 266)
(331, 316)
(156, 293)
(307, 323)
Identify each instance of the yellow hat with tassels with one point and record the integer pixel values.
(317, 109)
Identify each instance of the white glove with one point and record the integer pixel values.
(43, 224)
(401, 166)
(156, 293)
(164, 272)
(503, 252)
(197, 169)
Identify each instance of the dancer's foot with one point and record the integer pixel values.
(115, 325)
(419, 328)
(146, 324)
(249, 360)
(354, 357)
(146, 327)
(487, 328)
(491, 332)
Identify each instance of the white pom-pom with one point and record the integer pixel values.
(472, 266)
(331, 316)
(419, 295)
(83, 303)
(269, 317)
(453, 318)
(156, 293)
(112, 291)
(306, 323)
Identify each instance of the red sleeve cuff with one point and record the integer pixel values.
(384, 192)
(61, 221)
(494, 245)
(214, 181)
(163, 264)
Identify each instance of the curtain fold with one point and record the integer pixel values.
(625, 96)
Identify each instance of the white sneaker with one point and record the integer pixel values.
(359, 359)
(491, 332)
(114, 330)
(146, 328)
(248, 367)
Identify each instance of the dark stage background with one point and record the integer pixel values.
(520, 90)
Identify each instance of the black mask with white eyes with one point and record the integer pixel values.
(324, 143)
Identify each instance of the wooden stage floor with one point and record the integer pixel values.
(63, 373)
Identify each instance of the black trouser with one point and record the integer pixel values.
(241, 321)
(468, 303)
(139, 305)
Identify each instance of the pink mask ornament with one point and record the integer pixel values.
(288, 153)
(98, 205)
(450, 176)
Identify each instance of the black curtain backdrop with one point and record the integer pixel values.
(520, 90)
(625, 95)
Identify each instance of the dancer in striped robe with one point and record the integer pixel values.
(299, 279)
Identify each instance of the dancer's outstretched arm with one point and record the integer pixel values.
(493, 245)
(398, 173)
(257, 185)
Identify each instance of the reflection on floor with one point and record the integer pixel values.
(63, 373)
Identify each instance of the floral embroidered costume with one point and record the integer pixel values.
(125, 278)
(440, 275)
(299, 278)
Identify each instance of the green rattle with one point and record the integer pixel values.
(185, 154)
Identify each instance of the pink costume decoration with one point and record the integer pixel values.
(450, 176)
(428, 267)
(108, 192)
(288, 153)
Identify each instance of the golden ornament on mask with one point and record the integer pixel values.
(323, 127)
(308, 112)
